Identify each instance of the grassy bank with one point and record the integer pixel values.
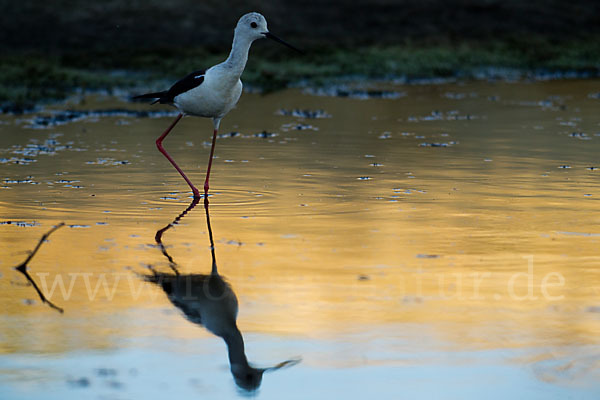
(28, 78)
(49, 49)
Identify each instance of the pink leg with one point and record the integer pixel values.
(164, 152)
(212, 152)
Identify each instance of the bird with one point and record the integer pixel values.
(209, 300)
(212, 93)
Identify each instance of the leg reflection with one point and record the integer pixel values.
(209, 300)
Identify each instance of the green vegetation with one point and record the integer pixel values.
(50, 49)
(27, 79)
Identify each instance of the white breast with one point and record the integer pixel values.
(214, 98)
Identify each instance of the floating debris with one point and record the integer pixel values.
(385, 135)
(370, 94)
(26, 154)
(80, 382)
(428, 256)
(17, 160)
(303, 127)
(446, 144)
(312, 114)
(298, 127)
(229, 135)
(567, 123)
(376, 164)
(106, 372)
(440, 116)
(67, 116)
(459, 96)
(59, 118)
(587, 234)
(265, 134)
(22, 224)
(580, 135)
(592, 168)
(408, 191)
(362, 94)
(78, 226)
(28, 179)
(564, 166)
(364, 178)
(108, 161)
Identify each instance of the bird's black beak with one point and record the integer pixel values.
(269, 35)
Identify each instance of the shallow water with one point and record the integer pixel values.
(440, 241)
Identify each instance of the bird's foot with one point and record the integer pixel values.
(196, 193)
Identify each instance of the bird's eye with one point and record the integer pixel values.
(253, 24)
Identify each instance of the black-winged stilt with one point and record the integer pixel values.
(214, 92)
(209, 301)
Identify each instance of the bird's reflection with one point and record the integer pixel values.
(210, 301)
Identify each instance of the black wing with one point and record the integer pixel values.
(189, 82)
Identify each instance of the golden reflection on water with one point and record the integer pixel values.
(348, 227)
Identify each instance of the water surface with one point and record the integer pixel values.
(436, 241)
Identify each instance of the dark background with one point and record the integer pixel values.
(118, 25)
(49, 48)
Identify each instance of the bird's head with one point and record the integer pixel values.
(249, 378)
(254, 26)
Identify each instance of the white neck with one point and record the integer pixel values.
(236, 62)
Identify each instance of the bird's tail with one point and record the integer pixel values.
(155, 95)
